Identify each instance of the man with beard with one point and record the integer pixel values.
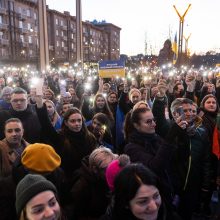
(12, 146)
(25, 112)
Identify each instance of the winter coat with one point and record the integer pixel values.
(164, 213)
(71, 146)
(90, 194)
(6, 152)
(8, 190)
(153, 152)
(30, 122)
(124, 103)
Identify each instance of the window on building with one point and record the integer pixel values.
(35, 16)
(72, 45)
(0, 19)
(22, 38)
(62, 44)
(61, 22)
(24, 12)
(29, 39)
(57, 33)
(30, 52)
(62, 33)
(57, 22)
(20, 24)
(28, 12)
(58, 44)
(71, 36)
(19, 10)
(29, 26)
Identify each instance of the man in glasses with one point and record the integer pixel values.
(12, 146)
(25, 112)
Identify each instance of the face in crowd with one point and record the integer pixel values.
(135, 97)
(145, 123)
(210, 105)
(66, 107)
(43, 206)
(97, 126)
(67, 98)
(74, 122)
(6, 97)
(112, 98)
(14, 132)
(48, 95)
(50, 108)
(189, 112)
(106, 88)
(146, 203)
(19, 101)
(100, 102)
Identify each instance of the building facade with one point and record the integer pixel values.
(19, 35)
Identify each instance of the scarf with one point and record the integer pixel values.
(216, 138)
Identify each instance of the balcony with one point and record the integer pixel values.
(34, 1)
(65, 37)
(21, 16)
(64, 28)
(24, 30)
(4, 42)
(3, 26)
(51, 47)
(24, 44)
(3, 11)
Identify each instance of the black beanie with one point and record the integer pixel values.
(30, 186)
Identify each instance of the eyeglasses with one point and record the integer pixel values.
(150, 121)
(18, 100)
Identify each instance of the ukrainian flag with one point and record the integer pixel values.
(175, 49)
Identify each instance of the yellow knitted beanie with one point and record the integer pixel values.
(40, 158)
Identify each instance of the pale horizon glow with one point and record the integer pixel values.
(153, 21)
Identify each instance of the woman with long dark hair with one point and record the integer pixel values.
(100, 104)
(145, 146)
(72, 142)
(137, 195)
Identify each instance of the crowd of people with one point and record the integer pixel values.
(144, 148)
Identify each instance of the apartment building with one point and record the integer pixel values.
(19, 35)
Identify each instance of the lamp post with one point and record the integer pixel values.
(180, 41)
(79, 45)
(43, 36)
(35, 44)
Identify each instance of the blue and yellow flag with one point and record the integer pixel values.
(175, 49)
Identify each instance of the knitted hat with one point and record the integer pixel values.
(114, 168)
(40, 158)
(30, 186)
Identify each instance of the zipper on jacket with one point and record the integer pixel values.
(189, 167)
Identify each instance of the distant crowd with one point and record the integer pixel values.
(81, 147)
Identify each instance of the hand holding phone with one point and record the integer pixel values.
(180, 112)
